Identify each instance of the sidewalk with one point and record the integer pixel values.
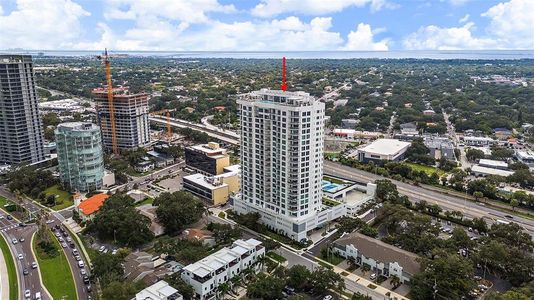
(4, 281)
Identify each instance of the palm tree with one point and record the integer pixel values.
(395, 281)
(222, 290)
(365, 269)
(235, 281)
(262, 259)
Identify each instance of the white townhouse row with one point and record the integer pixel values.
(206, 275)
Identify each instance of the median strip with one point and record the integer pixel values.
(11, 270)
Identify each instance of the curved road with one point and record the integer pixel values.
(416, 193)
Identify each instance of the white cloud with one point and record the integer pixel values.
(191, 11)
(37, 24)
(512, 23)
(1, 10)
(510, 27)
(446, 38)
(464, 19)
(269, 8)
(363, 39)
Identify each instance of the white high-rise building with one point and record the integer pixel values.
(282, 160)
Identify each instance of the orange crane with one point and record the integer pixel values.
(167, 113)
(107, 65)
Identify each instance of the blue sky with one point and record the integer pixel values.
(265, 25)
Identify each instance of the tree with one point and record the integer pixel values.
(177, 210)
(118, 220)
(474, 154)
(178, 283)
(108, 268)
(360, 296)
(395, 281)
(324, 279)
(478, 195)
(514, 203)
(298, 277)
(224, 233)
(266, 287)
(448, 276)
(121, 290)
(386, 190)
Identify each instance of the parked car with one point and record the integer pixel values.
(373, 276)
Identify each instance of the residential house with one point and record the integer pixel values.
(90, 206)
(160, 290)
(383, 259)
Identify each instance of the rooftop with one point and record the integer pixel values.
(297, 98)
(92, 204)
(210, 149)
(380, 251)
(209, 182)
(493, 163)
(77, 126)
(386, 147)
(490, 171)
(160, 290)
(222, 257)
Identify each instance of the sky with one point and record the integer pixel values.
(267, 25)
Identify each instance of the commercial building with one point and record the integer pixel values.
(131, 118)
(80, 156)
(485, 171)
(160, 290)
(209, 159)
(479, 141)
(440, 147)
(356, 134)
(349, 123)
(495, 164)
(21, 130)
(526, 157)
(382, 258)
(383, 149)
(216, 189)
(206, 275)
(281, 147)
(90, 206)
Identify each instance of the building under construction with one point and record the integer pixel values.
(130, 115)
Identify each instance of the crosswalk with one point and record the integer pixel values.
(9, 227)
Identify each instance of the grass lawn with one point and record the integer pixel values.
(147, 200)
(3, 201)
(330, 202)
(276, 257)
(334, 180)
(61, 196)
(56, 272)
(333, 259)
(11, 271)
(427, 169)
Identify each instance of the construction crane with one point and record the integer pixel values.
(167, 114)
(107, 65)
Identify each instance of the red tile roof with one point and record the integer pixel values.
(92, 204)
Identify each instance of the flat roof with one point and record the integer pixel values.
(386, 147)
(202, 180)
(528, 154)
(490, 171)
(493, 163)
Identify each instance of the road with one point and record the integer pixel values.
(81, 288)
(11, 230)
(416, 193)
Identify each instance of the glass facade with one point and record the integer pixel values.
(80, 156)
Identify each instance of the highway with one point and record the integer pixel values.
(416, 193)
(27, 232)
(226, 136)
(11, 230)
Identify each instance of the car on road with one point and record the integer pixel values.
(85, 279)
(64, 245)
(81, 264)
(21, 240)
(14, 241)
(1, 217)
(38, 296)
(34, 265)
(69, 239)
(25, 271)
(20, 256)
(328, 297)
(508, 217)
(60, 239)
(27, 294)
(9, 217)
(57, 226)
(57, 234)
(102, 248)
(83, 272)
(77, 257)
(74, 252)
(49, 221)
(373, 276)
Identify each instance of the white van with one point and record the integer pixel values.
(38, 296)
(81, 264)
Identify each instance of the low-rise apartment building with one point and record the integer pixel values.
(160, 290)
(383, 259)
(206, 275)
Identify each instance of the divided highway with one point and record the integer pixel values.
(416, 193)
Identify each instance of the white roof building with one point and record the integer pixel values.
(496, 164)
(160, 290)
(526, 157)
(484, 171)
(383, 149)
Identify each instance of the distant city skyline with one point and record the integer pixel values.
(266, 25)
